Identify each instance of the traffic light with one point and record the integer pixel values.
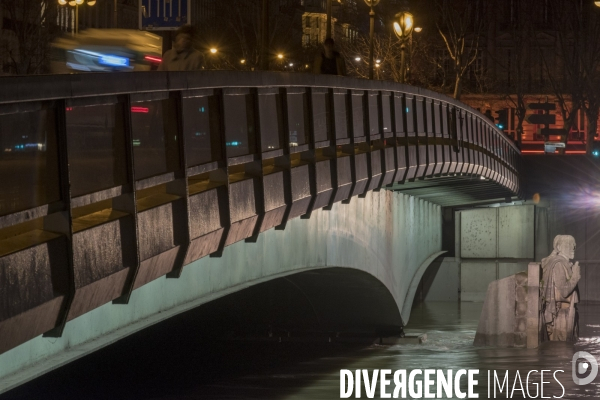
(502, 119)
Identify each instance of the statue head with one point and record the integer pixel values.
(564, 245)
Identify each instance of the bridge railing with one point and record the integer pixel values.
(111, 181)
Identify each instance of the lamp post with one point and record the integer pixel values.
(371, 3)
(403, 27)
(76, 4)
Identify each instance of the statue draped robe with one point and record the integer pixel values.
(558, 299)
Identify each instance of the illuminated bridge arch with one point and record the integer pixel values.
(111, 181)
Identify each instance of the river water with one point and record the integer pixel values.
(169, 363)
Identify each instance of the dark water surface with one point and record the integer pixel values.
(175, 362)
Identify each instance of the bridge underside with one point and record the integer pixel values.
(452, 191)
(335, 302)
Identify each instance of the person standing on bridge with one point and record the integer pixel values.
(182, 57)
(329, 62)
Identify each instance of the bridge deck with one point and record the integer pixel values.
(111, 181)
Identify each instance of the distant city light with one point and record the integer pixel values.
(418, 29)
(143, 110)
(357, 59)
(291, 64)
(280, 56)
(377, 61)
(213, 50)
(243, 61)
(596, 153)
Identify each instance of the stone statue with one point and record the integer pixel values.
(558, 294)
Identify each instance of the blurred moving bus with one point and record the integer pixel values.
(106, 50)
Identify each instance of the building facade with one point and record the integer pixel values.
(314, 21)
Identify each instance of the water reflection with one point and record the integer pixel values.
(451, 329)
(173, 361)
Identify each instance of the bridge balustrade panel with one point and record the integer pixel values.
(388, 143)
(446, 141)
(112, 181)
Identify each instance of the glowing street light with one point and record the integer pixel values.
(280, 56)
(243, 61)
(418, 29)
(76, 4)
(357, 59)
(213, 50)
(403, 28)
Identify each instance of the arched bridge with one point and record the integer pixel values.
(111, 181)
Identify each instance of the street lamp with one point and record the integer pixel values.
(371, 4)
(76, 4)
(403, 27)
(213, 50)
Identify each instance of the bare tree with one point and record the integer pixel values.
(388, 59)
(460, 25)
(575, 81)
(585, 27)
(516, 64)
(32, 26)
(386, 50)
(240, 36)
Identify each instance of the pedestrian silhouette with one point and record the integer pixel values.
(329, 62)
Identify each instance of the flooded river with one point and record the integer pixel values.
(170, 362)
